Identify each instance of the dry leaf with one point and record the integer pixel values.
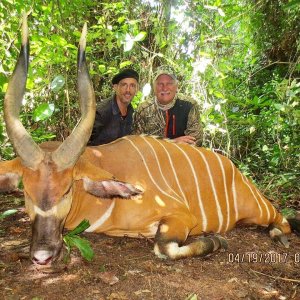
(108, 277)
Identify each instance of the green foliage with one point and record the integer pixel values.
(288, 213)
(43, 112)
(71, 239)
(191, 297)
(7, 213)
(57, 83)
(239, 59)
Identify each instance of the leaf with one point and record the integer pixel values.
(4, 87)
(292, 4)
(72, 240)
(29, 84)
(128, 43)
(191, 297)
(59, 40)
(7, 213)
(82, 226)
(140, 36)
(279, 106)
(43, 112)
(125, 64)
(57, 83)
(219, 94)
(102, 68)
(81, 244)
(255, 100)
(121, 19)
(252, 129)
(108, 277)
(265, 148)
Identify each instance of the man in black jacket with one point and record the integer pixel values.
(114, 115)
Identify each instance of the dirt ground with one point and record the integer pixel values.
(123, 268)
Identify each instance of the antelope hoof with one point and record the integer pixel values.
(278, 237)
(223, 242)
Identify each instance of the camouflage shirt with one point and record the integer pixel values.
(182, 119)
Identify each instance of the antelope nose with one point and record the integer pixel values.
(42, 257)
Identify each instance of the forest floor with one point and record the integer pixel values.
(252, 268)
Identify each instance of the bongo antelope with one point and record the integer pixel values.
(137, 185)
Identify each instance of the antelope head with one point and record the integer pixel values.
(47, 174)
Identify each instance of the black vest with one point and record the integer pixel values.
(176, 119)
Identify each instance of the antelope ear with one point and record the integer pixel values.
(110, 188)
(10, 175)
(85, 169)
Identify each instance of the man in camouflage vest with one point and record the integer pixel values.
(169, 115)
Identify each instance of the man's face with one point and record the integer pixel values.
(126, 90)
(165, 89)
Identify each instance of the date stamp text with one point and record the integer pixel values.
(263, 257)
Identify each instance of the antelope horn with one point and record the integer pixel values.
(29, 152)
(69, 151)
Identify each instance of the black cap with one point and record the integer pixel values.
(126, 73)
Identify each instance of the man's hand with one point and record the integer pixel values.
(187, 139)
